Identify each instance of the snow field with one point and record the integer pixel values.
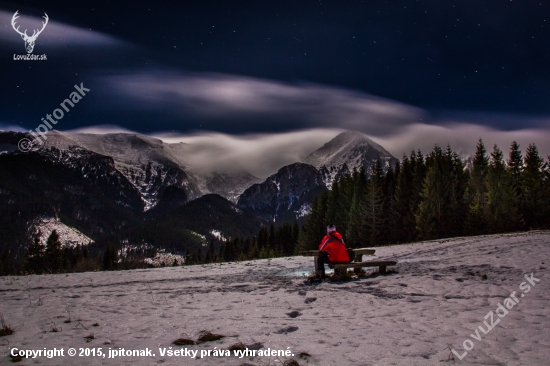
(437, 298)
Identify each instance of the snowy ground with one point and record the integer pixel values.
(437, 298)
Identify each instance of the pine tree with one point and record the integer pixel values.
(532, 184)
(357, 212)
(343, 205)
(255, 251)
(457, 206)
(502, 210)
(515, 166)
(374, 207)
(404, 202)
(390, 214)
(440, 207)
(35, 256)
(210, 253)
(295, 235)
(271, 239)
(546, 193)
(110, 257)
(419, 170)
(53, 252)
(477, 191)
(187, 258)
(333, 204)
(262, 239)
(198, 258)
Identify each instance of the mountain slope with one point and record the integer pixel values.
(284, 196)
(88, 194)
(147, 163)
(347, 151)
(212, 216)
(152, 165)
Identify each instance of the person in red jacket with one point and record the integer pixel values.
(333, 250)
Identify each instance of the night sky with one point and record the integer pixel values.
(270, 66)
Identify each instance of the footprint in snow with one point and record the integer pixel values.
(294, 314)
(287, 330)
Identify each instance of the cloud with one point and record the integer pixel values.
(462, 136)
(10, 127)
(259, 154)
(398, 127)
(101, 130)
(56, 34)
(269, 104)
(262, 154)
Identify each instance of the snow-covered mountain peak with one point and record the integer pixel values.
(347, 147)
(347, 151)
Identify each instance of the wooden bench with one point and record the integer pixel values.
(357, 264)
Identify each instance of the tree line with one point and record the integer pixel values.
(270, 242)
(51, 257)
(435, 196)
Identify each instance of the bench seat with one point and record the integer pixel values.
(358, 265)
(359, 253)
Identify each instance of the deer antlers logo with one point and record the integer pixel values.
(29, 41)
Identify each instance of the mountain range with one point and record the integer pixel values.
(80, 179)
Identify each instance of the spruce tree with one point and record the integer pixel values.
(477, 191)
(53, 252)
(356, 217)
(210, 253)
(262, 238)
(333, 206)
(295, 235)
(343, 204)
(515, 166)
(198, 258)
(271, 238)
(374, 207)
(532, 184)
(457, 206)
(390, 214)
(187, 258)
(35, 256)
(546, 190)
(404, 206)
(502, 210)
(110, 257)
(419, 168)
(433, 218)
(246, 248)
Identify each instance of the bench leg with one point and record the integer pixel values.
(315, 263)
(382, 269)
(357, 270)
(359, 257)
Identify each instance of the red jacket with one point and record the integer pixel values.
(334, 245)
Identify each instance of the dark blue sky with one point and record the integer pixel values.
(245, 66)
